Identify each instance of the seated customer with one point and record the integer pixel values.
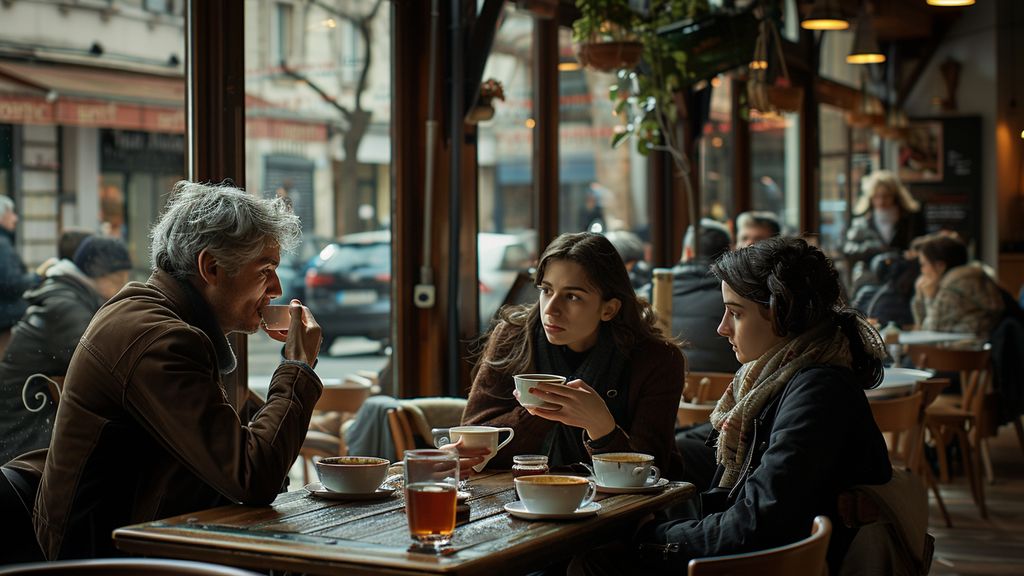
(46, 336)
(794, 429)
(951, 295)
(754, 226)
(625, 377)
(144, 429)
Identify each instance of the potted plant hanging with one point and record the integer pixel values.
(764, 93)
(490, 90)
(605, 35)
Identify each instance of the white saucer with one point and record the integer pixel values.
(317, 489)
(649, 487)
(518, 510)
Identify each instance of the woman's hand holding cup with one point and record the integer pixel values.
(469, 456)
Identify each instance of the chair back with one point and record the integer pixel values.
(974, 367)
(124, 567)
(805, 557)
(900, 419)
(401, 427)
(416, 417)
(703, 387)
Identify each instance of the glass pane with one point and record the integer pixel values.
(94, 125)
(329, 155)
(775, 166)
(507, 242)
(835, 46)
(716, 154)
(602, 189)
(834, 201)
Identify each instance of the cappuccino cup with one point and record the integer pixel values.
(352, 474)
(525, 381)
(474, 437)
(276, 317)
(625, 470)
(553, 494)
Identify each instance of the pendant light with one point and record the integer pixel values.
(950, 2)
(865, 42)
(826, 15)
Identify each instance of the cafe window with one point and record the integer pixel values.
(833, 184)
(311, 142)
(716, 154)
(507, 239)
(775, 166)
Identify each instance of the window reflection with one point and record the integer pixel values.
(716, 154)
(775, 165)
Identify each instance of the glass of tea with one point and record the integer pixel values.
(431, 485)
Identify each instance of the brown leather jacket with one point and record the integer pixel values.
(144, 429)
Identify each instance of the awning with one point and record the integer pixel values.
(70, 95)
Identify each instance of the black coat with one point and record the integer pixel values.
(816, 439)
(14, 280)
(42, 343)
(697, 310)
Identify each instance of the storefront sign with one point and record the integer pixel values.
(94, 113)
(276, 129)
(25, 111)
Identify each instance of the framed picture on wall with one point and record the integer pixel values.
(920, 155)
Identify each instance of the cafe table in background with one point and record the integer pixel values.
(299, 532)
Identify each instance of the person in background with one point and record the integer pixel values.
(794, 428)
(14, 277)
(887, 219)
(631, 249)
(46, 336)
(754, 225)
(144, 429)
(624, 377)
(952, 295)
(889, 300)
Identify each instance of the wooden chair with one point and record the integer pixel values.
(902, 419)
(411, 423)
(401, 427)
(965, 417)
(806, 557)
(700, 394)
(338, 403)
(125, 567)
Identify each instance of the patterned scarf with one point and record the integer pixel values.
(757, 382)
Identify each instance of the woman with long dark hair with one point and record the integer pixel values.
(794, 429)
(624, 378)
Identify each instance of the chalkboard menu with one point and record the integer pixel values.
(941, 164)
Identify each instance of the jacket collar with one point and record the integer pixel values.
(194, 309)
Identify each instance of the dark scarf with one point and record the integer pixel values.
(602, 370)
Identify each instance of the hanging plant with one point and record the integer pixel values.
(764, 93)
(490, 90)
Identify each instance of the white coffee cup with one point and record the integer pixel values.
(553, 494)
(625, 470)
(352, 474)
(480, 437)
(276, 317)
(525, 381)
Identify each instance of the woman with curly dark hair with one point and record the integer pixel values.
(624, 377)
(794, 429)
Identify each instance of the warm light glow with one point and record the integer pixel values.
(825, 24)
(530, 123)
(716, 81)
(1022, 134)
(950, 2)
(569, 66)
(758, 65)
(330, 23)
(716, 142)
(865, 58)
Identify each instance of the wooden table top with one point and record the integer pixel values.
(303, 533)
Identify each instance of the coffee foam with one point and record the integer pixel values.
(556, 480)
(354, 461)
(624, 458)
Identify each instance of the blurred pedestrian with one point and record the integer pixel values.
(14, 278)
(888, 219)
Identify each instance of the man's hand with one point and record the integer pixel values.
(304, 337)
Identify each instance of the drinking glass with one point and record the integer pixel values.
(431, 485)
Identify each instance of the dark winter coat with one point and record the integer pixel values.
(42, 343)
(697, 310)
(14, 280)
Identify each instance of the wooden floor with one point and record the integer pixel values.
(976, 546)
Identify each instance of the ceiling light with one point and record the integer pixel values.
(865, 43)
(826, 15)
(950, 2)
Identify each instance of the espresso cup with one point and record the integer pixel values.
(276, 317)
(352, 474)
(625, 470)
(476, 437)
(525, 381)
(552, 494)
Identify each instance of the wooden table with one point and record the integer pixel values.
(898, 382)
(911, 337)
(302, 533)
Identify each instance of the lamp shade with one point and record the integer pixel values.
(865, 43)
(951, 2)
(826, 15)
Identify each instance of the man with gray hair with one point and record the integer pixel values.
(754, 226)
(14, 278)
(144, 429)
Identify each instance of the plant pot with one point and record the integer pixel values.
(609, 56)
(480, 113)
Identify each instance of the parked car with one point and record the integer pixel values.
(501, 257)
(292, 270)
(348, 287)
